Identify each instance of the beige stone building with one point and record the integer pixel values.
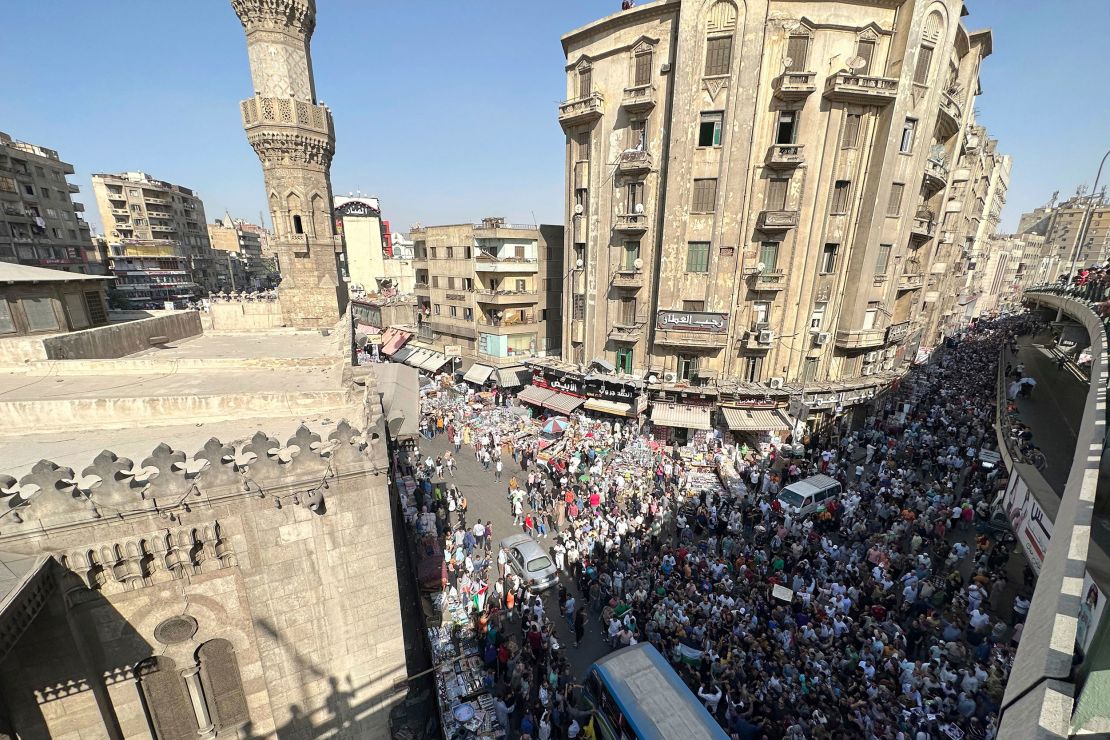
(372, 265)
(491, 289)
(40, 223)
(754, 190)
(142, 214)
(1061, 225)
(294, 137)
(239, 263)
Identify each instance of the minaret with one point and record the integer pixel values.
(294, 138)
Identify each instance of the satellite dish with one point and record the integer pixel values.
(790, 25)
(760, 267)
(638, 264)
(653, 379)
(856, 62)
(578, 209)
(639, 209)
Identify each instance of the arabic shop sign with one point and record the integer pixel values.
(692, 321)
(583, 387)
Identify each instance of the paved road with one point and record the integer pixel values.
(486, 499)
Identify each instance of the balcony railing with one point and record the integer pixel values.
(770, 280)
(951, 114)
(783, 156)
(790, 86)
(639, 98)
(631, 223)
(860, 338)
(581, 110)
(936, 174)
(627, 331)
(923, 227)
(911, 281)
(777, 220)
(628, 279)
(508, 321)
(505, 297)
(849, 88)
(634, 162)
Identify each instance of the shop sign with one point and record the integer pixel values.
(897, 332)
(692, 321)
(456, 297)
(452, 350)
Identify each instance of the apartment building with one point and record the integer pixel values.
(239, 263)
(753, 191)
(491, 289)
(1013, 263)
(40, 223)
(369, 259)
(1062, 225)
(138, 210)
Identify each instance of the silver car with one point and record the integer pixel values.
(531, 562)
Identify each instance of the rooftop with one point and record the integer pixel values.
(13, 273)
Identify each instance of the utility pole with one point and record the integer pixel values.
(1085, 223)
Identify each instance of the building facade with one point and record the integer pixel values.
(142, 215)
(491, 289)
(40, 223)
(372, 265)
(1062, 225)
(294, 138)
(754, 190)
(239, 263)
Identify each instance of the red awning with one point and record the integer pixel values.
(391, 344)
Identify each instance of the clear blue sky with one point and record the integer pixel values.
(446, 110)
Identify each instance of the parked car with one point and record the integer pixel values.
(809, 495)
(531, 562)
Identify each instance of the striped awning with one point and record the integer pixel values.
(609, 407)
(513, 377)
(403, 354)
(393, 340)
(755, 420)
(534, 395)
(418, 357)
(478, 373)
(434, 361)
(562, 403)
(681, 417)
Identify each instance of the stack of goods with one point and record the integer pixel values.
(701, 483)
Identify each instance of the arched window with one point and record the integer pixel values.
(641, 65)
(223, 686)
(930, 37)
(166, 699)
(585, 80)
(718, 46)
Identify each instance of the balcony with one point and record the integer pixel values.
(634, 162)
(777, 220)
(951, 115)
(120, 212)
(509, 325)
(634, 223)
(639, 98)
(622, 332)
(923, 227)
(860, 339)
(679, 338)
(117, 196)
(158, 214)
(628, 279)
(162, 228)
(936, 175)
(785, 156)
(911, 282)
(73, 188)
(863, 89)
(791, 86)
(486, 262)
(78, 207)
(769, 280)
(421, 286)
(505, 297)
(158, 201)
(578, 111)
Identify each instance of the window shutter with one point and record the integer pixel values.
(223, 687)
(643, 69)
(866, 49)
(797, 48)
(171, 711)
(718, 55)
(851, 130)
(840, 196)
(776, 194)
(705, 196)
(924, 63)
(894, 206)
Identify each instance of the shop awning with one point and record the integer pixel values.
(514, 377)
(604, 364)
(403, 354)
(534, 395)
(755, 420)
(393, 340)
(609, 407)
(417, 357)
(681, 417)
(478, 373)
(562, 403)
(434, 361)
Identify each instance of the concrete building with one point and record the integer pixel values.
(1061, 225)
(239, 264)
(35, 300)
(1012, 264)
(492, 290)
(403, 247)
(40, 223)
(371, 263)
(138, 210)
(754, 191)
(294, 138)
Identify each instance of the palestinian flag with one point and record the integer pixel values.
(689, 654)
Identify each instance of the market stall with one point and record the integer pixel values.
(465, 703)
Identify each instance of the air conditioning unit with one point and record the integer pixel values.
(766, 336)
(890, 352)
(760, 326)
(868, 369)
(670, 377)
(870, 356)
(822, 338)
(776, 382)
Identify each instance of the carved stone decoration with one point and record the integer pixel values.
(176, 630)
(217, 464)
(714, 86)
(260, 457)
(349, 444)
(305, 447)
(110, 483)
(178, 551)
(213, 536)
(164, 474)
(51, 496)
(130, 566)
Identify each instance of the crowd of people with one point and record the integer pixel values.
(893, 618)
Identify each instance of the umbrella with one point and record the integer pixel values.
(555, 425)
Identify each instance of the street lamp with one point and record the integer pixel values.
(1086, 222)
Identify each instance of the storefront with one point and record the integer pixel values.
(760, 428)
(600, 394)
(680, 424)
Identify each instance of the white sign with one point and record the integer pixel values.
(782, 593)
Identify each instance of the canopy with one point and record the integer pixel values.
(563, 403)
(403, 354)
(418, 357)
(513, 377)
(393, 340)
(556, 425)
(534, 394)
(755, 420)
(434, 361)
(681, 417)
(478, 374)
(609, 407)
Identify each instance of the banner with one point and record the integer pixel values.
(1090, 612)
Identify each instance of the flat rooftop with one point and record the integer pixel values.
(276, 345)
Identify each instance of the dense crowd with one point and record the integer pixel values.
(898, 621)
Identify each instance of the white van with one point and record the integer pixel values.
(807, 496)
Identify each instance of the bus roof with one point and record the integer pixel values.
(638, 678)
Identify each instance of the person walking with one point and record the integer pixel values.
(497, 468)
(579, 624)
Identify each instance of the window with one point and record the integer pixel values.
(628, 311)
(786, 129)
(435, 280)
(29, 189)
(642, 72)
(585, 82)
(452, 311)
(298, 227)
(769, 255)
(906, 145)
(697, 257)
(705, 195)
(709, 132)
(468, 283)
(624, 360)
(578, 309)
(851, 130)
(451, 255)
(753, 368)
(437, 309)
(797, 49)
(817, 318)
(222, 684)
(865, 48)
(924, 63)
(882, 260)
(580, 200)
(637, 134)
(809, 369)
(432, 252)
(761, 312)
(468, 314)
(776, 194)
(40, 314)
(7, 325)
(167, 700)
(687, 366)
(894, 205)
(828, 258)
(582, 144)
(870, 316)
(521, 286)
(718, 56)
(631, 254)
(635, 197)
(841, 190)
(450, 283)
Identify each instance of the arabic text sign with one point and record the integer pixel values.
(692, 321)
(782, 593)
